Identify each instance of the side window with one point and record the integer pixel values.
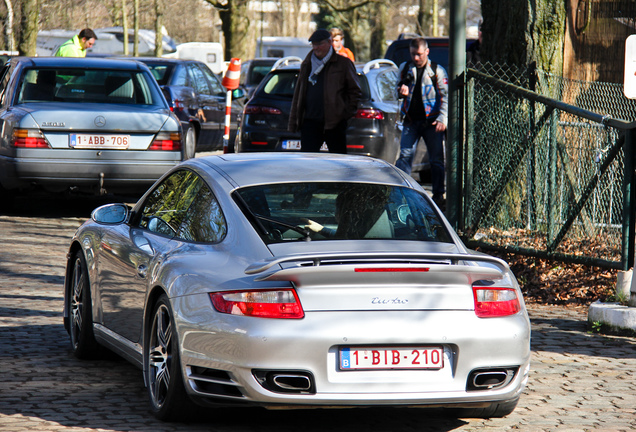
(204, 221)
(386, 83)
(215, 84)
(181, 76)
(4, 81)
(167, 206)
(183, 206)
(198, 80)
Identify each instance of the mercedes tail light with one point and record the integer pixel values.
(258, 109)
(166, 141)
(369, 113)
(493, 302)
(29, 138)
(177, 105)
(277, 303)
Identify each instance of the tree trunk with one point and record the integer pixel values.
(522, 32)
(124, 26)
(378, 35)
(136, 27)
(9, 40)
(235, 25)
(29, 23)
(159, 28)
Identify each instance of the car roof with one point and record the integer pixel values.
(163, 60)
(80, 62)
(360, 67)
(245, 169)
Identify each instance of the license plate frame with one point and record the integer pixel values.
(99, 141)
(365, 358)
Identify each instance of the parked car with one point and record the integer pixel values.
(86, 124)
(398, 52)
(306, 280)
(372, 131)
(253, 71)
(196, 95)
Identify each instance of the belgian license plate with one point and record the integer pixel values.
(99, 141)
(374, 358)
(291, 145)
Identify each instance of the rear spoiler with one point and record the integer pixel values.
(377, 258)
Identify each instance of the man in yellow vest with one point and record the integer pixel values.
(77, 46)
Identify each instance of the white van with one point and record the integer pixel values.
(210, 53)
(279, 46)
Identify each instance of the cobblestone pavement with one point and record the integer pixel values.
(579, 381)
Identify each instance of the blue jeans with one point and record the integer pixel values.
(411, 133)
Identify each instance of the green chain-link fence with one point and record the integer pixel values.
(548, 167)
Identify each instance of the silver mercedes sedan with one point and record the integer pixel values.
(296, 280)
(84, 124)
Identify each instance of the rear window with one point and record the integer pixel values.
(258, 72)
(281, 84)
(340, 211)
(161, 72)
(89, 85)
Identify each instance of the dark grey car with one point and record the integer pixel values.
(85, 124)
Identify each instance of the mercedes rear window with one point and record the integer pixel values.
(106, 86)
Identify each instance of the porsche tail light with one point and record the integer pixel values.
(166, 141)
(370, 113)
(279, 303)
(257, 109)
(493, 302)
(29, 138)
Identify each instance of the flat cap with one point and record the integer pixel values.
(319, 35)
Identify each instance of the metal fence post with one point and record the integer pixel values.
(457, 79)
(629, 194)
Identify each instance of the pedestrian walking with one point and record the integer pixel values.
(77, 45)
(325, 98)
(423, 88)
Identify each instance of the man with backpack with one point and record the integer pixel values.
(423, 88)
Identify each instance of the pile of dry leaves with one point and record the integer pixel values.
(552, 282)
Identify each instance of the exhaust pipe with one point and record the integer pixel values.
(487, 379)
(292, 382)
(286, 381)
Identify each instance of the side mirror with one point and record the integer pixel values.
(238, 93)
(111, 214)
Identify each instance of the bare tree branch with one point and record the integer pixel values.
(348, 8)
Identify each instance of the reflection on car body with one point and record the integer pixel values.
(216, 288)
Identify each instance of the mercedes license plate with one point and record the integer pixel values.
(99, 141)
(366, 358)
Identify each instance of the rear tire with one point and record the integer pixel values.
(80, 311)
(162, 366)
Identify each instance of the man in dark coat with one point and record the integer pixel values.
(326, 96)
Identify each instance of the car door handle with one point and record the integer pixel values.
(142, 271)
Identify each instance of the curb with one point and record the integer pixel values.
(613, 314)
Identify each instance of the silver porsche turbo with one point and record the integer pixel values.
(296, 280)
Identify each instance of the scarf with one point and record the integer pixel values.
(317, 65)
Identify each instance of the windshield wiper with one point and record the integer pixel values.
(305, 232)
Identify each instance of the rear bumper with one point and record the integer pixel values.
(85, 170)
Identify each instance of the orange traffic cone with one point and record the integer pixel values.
(231, 78)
